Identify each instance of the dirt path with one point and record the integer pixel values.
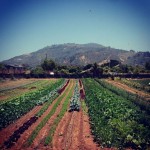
(16, 83)
(73, 133)
(8, 131)
(129, 89)
(38, 143)
(22, 140)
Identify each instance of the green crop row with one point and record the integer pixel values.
(138, 84)
(54, 92)
(14, 109)
(48, 140)
(84, 107)
(44, 121)
(75, 100)
(115, 121)
(45, 107)
(17, 92)
(138, 100)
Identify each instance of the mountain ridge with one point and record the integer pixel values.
(80, 54)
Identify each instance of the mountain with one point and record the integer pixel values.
(80, 54)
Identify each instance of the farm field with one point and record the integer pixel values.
(117, 120)
(139, 87)
(10, 89)
(59, 122)
(140, 84)
(73, 114)
(8, 83)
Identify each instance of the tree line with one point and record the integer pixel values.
(113, 67)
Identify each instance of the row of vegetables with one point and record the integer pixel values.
(75, 100)
(82, 93)
(44, 120)
(143, 84)
(136, 99)
(58, 90)
(20, 90)
(17, 133)
(14, 109)
(115, 121)
(62, 88)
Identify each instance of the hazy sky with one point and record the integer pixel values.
(28, 25)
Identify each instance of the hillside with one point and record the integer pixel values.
(80, 54)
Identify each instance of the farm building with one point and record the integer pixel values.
(12, 69)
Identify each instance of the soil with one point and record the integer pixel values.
(129, 89)
(8, 131)
(21, 143)
(73, 132)
(38, 143)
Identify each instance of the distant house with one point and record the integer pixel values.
(12, 69)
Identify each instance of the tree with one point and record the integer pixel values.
(88, 66)
(74, 70)
(2, 67)
(48, 65)
(38, 70)
(147, 65)
(136, 69)
(96, 70)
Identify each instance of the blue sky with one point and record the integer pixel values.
(28, 25)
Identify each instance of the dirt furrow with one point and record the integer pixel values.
(88, 143)
(73, 132)
(22, 140)
(69, 134)
(82, 142)
(61, 131)
(39, 141)
(8, 131)
(76, 132)
(129, 89)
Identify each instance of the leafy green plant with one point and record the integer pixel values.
(136, 99)
(138, 84)
(49, 138)
(44, 121)
(14, 109)
(115, 121)
(75, 100)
